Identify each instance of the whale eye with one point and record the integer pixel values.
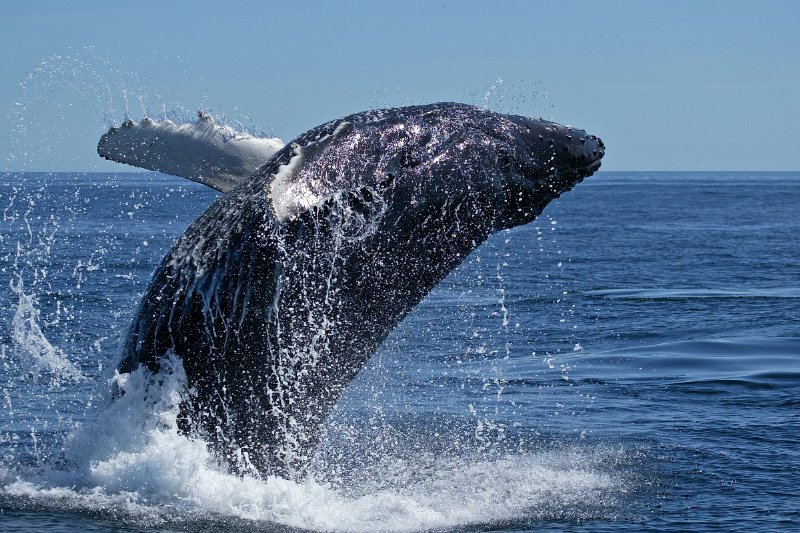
(409, 160)
(403, 159)
(504, 157)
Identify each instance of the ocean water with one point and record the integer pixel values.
(629, 361)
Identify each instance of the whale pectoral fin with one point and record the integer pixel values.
(203, 151)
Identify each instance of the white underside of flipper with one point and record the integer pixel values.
(203, 151)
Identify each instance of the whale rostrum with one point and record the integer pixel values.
(274, 298)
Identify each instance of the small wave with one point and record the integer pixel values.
(688, 294)
(765, 381)
(760, 362)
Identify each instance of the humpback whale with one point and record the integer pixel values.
(276, 296)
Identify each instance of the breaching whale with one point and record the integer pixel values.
(274, 298)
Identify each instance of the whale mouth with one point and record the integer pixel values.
(573, 160)
(561, 180)
(584, 171)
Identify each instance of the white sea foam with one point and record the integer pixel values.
(133, 462)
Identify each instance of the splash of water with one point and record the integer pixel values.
(515, 95)
(134, 462)
(37, 354)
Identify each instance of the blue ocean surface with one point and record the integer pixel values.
(628, 361)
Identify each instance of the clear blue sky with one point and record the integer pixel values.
(670, 85)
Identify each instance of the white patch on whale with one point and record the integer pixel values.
(290, 195)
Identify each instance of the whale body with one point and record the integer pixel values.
(276, 296)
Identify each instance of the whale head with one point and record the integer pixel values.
(505, 168)
(510, 166)
(535, 161)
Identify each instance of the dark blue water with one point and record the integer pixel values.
(631, 360)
